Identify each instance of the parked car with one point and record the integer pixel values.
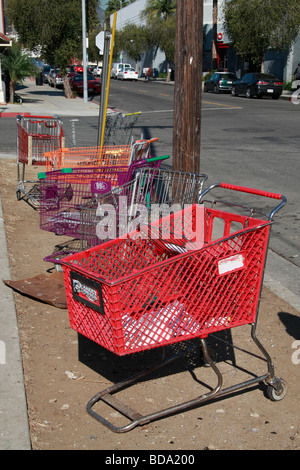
(117, 67)
(93, 84)
(90, 68)
(220, 81)
(97, 71)
(258, 84)
(127, 74)
(71, 74)
(45, 73)
(55, 78)
(78, 68)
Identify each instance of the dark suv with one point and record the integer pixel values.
(220, 81)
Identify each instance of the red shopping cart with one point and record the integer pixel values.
(137, 293)
(36, 135)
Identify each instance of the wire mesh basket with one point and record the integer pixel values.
(36, 135)
(151, 193)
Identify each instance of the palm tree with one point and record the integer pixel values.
(160, 9)
(161, 17)
(18, 66)
(214, 54)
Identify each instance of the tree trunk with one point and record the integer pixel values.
(168, 72)
(214, 54)
(67, 88)
(12, 87)
(188, 86)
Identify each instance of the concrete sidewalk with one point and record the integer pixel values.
(41, 100)
(14, 426)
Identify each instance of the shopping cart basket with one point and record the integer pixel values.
(63, 191)
(136, 293)
(109, 155)
(155, 188)
(150, 194)
(36, 135)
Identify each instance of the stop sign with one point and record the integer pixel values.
(100, 41)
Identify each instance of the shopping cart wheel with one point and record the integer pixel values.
(277, 391)
(18, 193)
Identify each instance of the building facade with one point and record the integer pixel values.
(282, 65)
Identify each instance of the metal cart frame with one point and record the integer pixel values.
(63, 192)
(150, 181)
(107, 155)
(36, 135)
(276, 387)
(150, 187)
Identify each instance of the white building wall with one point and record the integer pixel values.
(132, 14)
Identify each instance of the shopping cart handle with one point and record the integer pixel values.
(257, 192)
(156, 159)
(46, 124)
(153, 139)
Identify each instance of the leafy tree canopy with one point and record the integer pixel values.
(132, 39)
(52, 28)
(159, 9)
(254, 26)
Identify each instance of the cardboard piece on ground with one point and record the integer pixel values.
(46, 288)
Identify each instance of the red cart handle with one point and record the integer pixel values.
(52, 126)
(258, 192)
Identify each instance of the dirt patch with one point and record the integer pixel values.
(64, 370)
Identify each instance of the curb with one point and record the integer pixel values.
(14, 425)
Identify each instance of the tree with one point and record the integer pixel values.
(254, 26)
(18, 66)
(159, 9)
(161, 23)
(132, 39)
(214, 55)
(162, 33)
(52, 28)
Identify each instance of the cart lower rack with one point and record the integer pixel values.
(138, 293)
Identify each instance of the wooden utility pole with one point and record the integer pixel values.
(188, 85)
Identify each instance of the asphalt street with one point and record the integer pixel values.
(252, 143)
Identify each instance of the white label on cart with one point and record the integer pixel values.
(232, 263)
(100, 186)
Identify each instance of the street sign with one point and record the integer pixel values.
(100, 41)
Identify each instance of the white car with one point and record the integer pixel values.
(97, 72)
(55, 78)
(128, 74)
(117, 67)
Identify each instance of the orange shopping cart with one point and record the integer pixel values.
(107, 155)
